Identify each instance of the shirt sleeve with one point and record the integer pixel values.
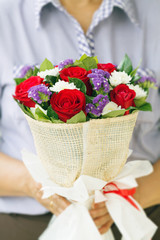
(0, 98)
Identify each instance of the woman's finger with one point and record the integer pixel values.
(58, 204)
(98, 212)
(104, 228)
(102, 220)
(55, 209)
(98, 205)
(60, 201)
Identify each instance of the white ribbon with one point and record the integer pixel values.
(75, 222)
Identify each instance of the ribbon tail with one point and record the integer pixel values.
(74, 223)
(131, 201)
(133, 224)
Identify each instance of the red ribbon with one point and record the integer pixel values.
(125, 193)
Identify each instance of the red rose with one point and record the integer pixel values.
(77, 72)
(68, 103)
(109, 67)
(21, 92)
(123, 96)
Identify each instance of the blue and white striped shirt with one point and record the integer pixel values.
(32, 30)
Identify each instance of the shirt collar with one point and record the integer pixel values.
(127, 5)
(130, 9)
(39, 4)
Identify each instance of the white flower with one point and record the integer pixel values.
(111, 106)
(51, 72)
(60, 85)
(117, 78)
(140, 93)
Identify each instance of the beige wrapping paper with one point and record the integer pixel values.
(97, 148)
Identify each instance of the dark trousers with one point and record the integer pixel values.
(24, 227)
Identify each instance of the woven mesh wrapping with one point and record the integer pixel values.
(97, 148)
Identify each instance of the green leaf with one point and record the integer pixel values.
(56, 121)
(139, 102)
(94, 93)
(25, 109)
(89, 63)
(46, 65)
(79, 117)
(19, 80)
(69, 65)
(87, 118)
(86, 62)
(79, 84)
(89, 99)
(41, 116)
(50, 79)
(79, 64)
(51, 113)
(133, 73)
(35, 71)
(90, 115)
(134, 111)
(84, 56)
(96, 59)
(151, 85)
(29, 73)
(146, 85)
(135, 79)
(132, 108)
(125, 65)
(114, 113)
(44, 105)
(145, 107)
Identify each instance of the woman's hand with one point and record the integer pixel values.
(101, 217)
(55, 204)
(19, 182)
(148, 190)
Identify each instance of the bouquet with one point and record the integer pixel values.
(82, 114)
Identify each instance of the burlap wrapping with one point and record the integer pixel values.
(98, 148)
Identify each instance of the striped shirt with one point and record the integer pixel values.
(32, 30)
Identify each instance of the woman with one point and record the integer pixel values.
(33, 30)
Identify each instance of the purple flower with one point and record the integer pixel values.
(39, 93)
(99, 79)
(89, 107)
(147, 78)
(97, 98)
(64, 63)
(99, 102)
(24, 70)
